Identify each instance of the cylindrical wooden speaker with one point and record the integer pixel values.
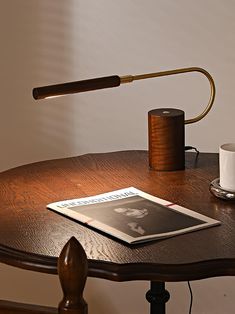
(166, 139)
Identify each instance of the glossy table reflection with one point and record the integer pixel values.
(32, 236)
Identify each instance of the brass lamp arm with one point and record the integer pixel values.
(115, 81)
(131, 78)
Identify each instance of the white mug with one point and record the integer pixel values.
(227, 166)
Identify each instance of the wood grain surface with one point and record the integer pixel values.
(166, 139)
(32, 236)
(76, 87)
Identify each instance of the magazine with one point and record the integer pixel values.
(132, 215)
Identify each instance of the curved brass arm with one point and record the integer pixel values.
(131, 78)
(115, 81)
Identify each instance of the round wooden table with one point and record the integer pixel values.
(31, 236)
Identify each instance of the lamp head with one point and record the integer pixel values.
(76, 87)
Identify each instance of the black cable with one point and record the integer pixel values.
(191, 298)
(190, 148)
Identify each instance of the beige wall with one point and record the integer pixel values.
(52, 41)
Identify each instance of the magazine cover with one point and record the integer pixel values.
(132, 215)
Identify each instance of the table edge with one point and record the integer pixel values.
(124, 272)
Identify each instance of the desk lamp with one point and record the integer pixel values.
(165, 126)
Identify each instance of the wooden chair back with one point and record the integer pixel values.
(72, 270)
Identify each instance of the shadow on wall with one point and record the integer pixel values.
(37, 49)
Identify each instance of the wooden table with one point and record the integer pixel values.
(31, 236)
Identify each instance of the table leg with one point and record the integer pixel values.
(157, 296)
